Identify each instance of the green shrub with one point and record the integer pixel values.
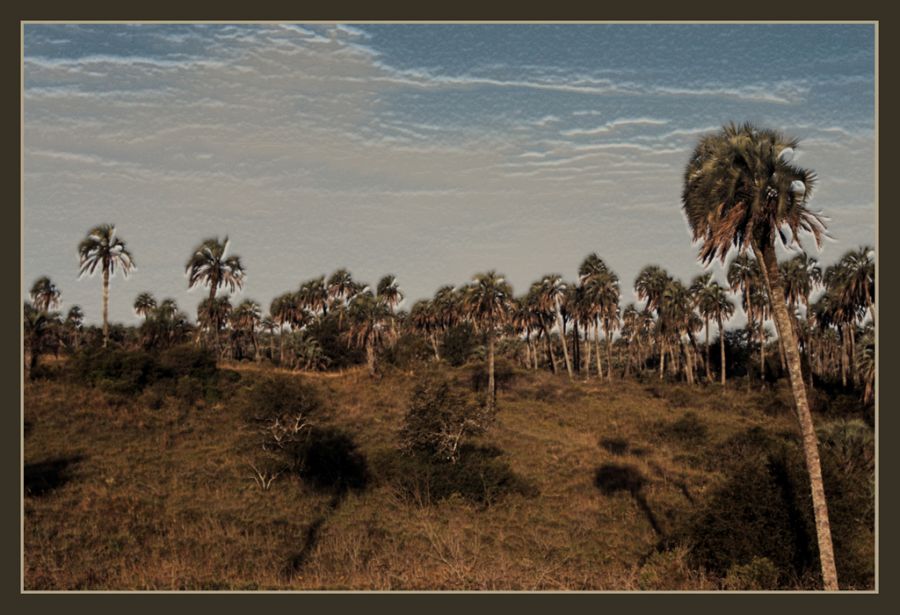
(114, 370)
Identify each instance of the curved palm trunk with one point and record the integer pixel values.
(722, 346)
(807, 430)
(562, 337)
(105, 305)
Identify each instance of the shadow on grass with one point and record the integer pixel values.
(329, 461)
(612, 478)
(45, 476)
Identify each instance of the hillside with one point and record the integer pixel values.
(587, 485)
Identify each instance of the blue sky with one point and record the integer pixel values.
(428, 151)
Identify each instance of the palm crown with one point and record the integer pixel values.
(209, 266)
(740, 186)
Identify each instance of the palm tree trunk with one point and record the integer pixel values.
(549, 345)
(722, 347)
(576, 347)
(608, 349)
(281, 342)
(492, 392)
(597, 351)
(708, 372)
(662, 358)
(434, 345)
(762, 350)
(587, 345)
(562, 337)
(843, 350)
(370, 359)
(105, 305)
(807, 429)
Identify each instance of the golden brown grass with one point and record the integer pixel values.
(165, 498)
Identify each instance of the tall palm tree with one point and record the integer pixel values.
(553, 292)
(39, 329)
(602, 286)
(246, 318)
(713, 303)
(73, 324)
(313, 295)
(649, 286)
(745, 276)
(389, 291)
(144, 304)
(741, 191)
(212, 315)
(487, 301)
(368, 325)
(282, 309)
(422, 319)
(209, 266)
(44, 294)
(101, 248)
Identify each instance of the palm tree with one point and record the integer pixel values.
(144, 304)
(212, 314)
(44, 294)
(39, 327)
(369, 321)
(602, 286)
(713, 304)
(422, 318)
(73, 324)
(740, 190)
(281, 309)
(649, 285)
(553, 291)
(209, 266)
(313, 295)
(101, 248)
(246, 318)
(487, 301)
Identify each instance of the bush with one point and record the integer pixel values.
(764, 508)
(478, 476)
(440, 419)
(688, 429)
(459, 343)
(760, 574)
(504, 374)
(277, 397)
(408, 351)
(114, 370)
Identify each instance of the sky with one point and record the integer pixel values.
(432, 152)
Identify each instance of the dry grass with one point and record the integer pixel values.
(166, 498)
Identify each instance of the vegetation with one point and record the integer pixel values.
(337, 440)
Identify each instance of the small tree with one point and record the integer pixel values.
(439, 419)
